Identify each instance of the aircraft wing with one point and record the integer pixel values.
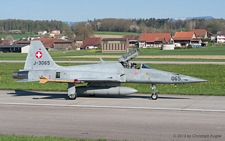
(77, 80)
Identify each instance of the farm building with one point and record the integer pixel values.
(15, 48)
(115, 44)
(133, 39)
(48, 42)
(64, 44)
(154, 39)
(42, 32)
(186, 38)
(202, 33)
(55, 32)
(221, 36)
(90, 43)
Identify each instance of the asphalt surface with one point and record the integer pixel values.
(131, 117)
(146, 62)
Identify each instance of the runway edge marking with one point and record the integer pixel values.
(112, 107)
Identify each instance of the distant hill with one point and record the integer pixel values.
(70, 23)
(190, 18)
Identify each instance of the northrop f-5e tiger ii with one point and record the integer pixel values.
(101, 78)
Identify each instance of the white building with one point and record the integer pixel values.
(42, 32)
(55, 32)
(220, 37)
(25, 49)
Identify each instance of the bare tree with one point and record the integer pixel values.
(10, 38)
(82, 30)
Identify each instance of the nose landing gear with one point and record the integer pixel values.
(154, 95)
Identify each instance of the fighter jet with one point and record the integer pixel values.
(101, 78)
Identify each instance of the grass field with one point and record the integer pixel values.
(213, 73)
(63, 55)
(212, 50)
(16, 36)
(140, 59)
(33, 138)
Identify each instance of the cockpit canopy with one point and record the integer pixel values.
(144, 66)
(129, 55)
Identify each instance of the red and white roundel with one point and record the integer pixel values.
(38, 54)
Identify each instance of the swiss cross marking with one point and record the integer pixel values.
(38, 54)
(135, 72)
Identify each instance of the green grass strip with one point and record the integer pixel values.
(211, 50)
(215, 74)
(34, 138)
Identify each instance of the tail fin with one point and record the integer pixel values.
(38, 58)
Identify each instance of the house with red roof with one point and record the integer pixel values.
(202, 33)
(186, 38)
(90, 43)
(133, 39)
(55, 32)
(6, 42)
(47, 42)
(64, 44)
(154, 39)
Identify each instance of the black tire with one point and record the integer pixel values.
(72, 96)
(154, 96)
(92, 95)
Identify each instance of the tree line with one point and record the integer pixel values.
(83, 30)
(156, 25)
(32, 26)
(151, 25)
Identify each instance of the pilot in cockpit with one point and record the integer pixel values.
(134, 66)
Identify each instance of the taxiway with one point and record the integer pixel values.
(131, 117)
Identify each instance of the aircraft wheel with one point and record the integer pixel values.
(72, 96)
(91, 95)
(154, 96)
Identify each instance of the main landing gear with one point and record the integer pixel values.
(154, 95)
(72, 91)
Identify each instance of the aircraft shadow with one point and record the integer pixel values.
(136, 96)
(57, 95)
(166, 97)
(40, 95)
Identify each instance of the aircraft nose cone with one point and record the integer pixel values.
(193, 79)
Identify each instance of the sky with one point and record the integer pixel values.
(83, 10)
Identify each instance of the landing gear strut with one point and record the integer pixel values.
(154, 95)
(72, 91)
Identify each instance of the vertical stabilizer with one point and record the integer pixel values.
(38, 57)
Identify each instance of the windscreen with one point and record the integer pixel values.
(144, 66)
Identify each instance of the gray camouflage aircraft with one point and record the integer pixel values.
(102, 78)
